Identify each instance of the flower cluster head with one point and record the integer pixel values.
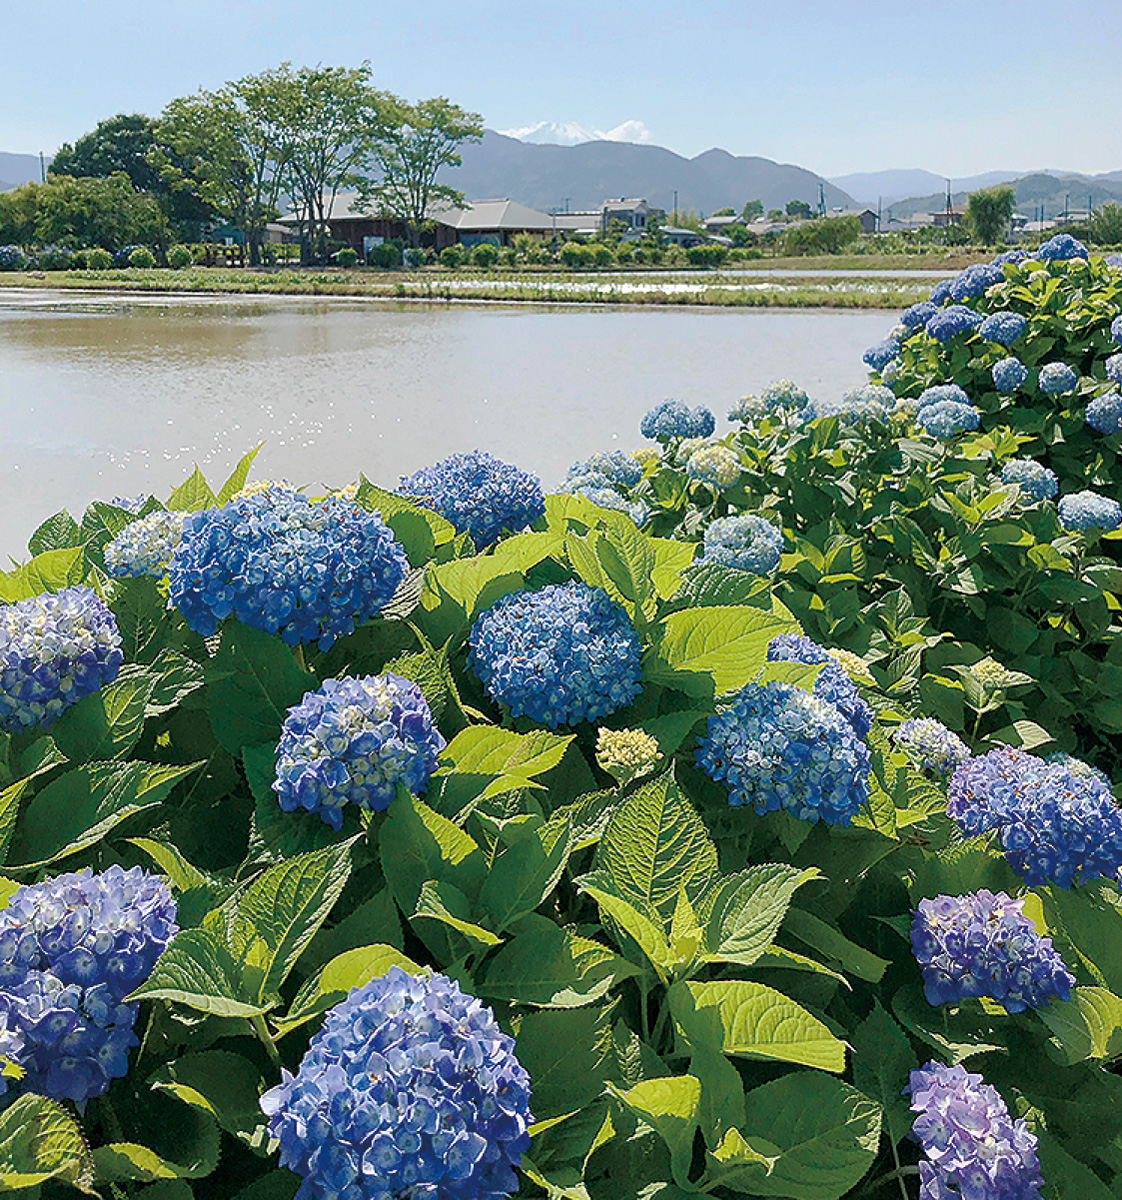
(409, 1089)
(1113, 368)
(597, 491)
(932, 744)
(939, 294)
(879, 356)
(1088, 510)
(479, 494)
(782, 396)
(1034, 479)
(973, 1149)
(946, 418)
(852, 664)
(306, 569)
(1063, 245)
(1104, 413)
(673, 419)
(619, 469)
(1002, 327)
(870, 401)
(948, 322)
(917, 316)
(54, 649)
(1077, 766)
(832, 683)
(645, 456)
(626, 754)
(974, 281)
(1116, 329)
(71, 949)
(1057, 377)
(1054, 825)
(561, 655)
(745, 543)
(941, 391)
(1008, 374)
(1011, 256)
(777, 746)
(982, 944)
(145, 547)
(717, 466)
(131, 504)
(355, 740)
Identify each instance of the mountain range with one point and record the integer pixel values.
(18, 168)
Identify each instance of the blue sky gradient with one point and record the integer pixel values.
(958, 87)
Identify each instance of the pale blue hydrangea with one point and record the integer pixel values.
(879, 356)
(973, 1149)
(145, 547)
(975, 280)
(1113, 368)
(1002, 327)
(946, 418)
(745, 542)
(54, 649)
(781, 397)
(620, 469)
(982, 944)
(949, 322)
(673, 419)
(409, 1089)
(932, 744)
(478, 493)
(1063, 245)
(353, 741)
(777, 746)
(596, 491)
(131, 504)
(1104, 413)
(561, 655)
(941, 391)
(1057, 377)
(1034, 479)
(717, 466)
(870, 401)
(1009, 374)
(1116, 329)
(1077, 766)
(832, 683)
(1088, 510)
(917, 316)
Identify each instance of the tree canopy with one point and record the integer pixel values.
(988, 212)
(120, 143)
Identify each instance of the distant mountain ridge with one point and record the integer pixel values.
(1036, 194)
(17, 169)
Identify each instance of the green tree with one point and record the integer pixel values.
(823, 235)
(120, 143)
(1105, 227)
(988, 212)
(409, 144)
(754, 208)
(76, 212)
(798, 208)
(724, 212)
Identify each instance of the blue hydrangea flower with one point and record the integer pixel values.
(1077, 766)
(1011, 256)
(717, 466)
(746, 542)
(973, 1149)
(478, 493)
(832, 683)
(1104, 413)
(870, 401)
(879, 356)
(939, 294)
(1054, 825)
(932, 743)
(783, 397)
(145, 547)
(946, 418)
(1088, 510)
(941, 391)
(1113, 368)
(54, 649)
(1057, 377)
(619, 469)
(1002, 327)
(410, 1088)
(1116, 329)
(355, 740)
(974, 281)
(306, 569)
(561, 655)
(949, 322)
(1008, 374)
(1033, 478)
(982, 944)
(71, 949)
(1063, 245)
(596, 490)
(131, 504)
(672, 419)
(777, 746)
(917, 316)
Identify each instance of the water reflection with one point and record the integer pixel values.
(101, 395)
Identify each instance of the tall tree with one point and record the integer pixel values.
(409, 145)
(988, 212)
(120, 143)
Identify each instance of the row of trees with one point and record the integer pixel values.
(232, 154)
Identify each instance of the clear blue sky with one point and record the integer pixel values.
(957, 87)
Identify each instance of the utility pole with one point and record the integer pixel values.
(675, 206)
(878, 214)
(821, 200)
(42, 168)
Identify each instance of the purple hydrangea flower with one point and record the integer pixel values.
(54, 649)
(478, 493)
(1002, 327)
(879, 356)
(949, 322)
(617, 468)
(982, 944)
(71, 949)
(1008, 374)
(1057, 377)
(832, 683)
(1033, 478)
(672, 419)
(930, 741)
(355, 740)
(946, 418)
(561, 655)
(310, 570)
(777, 746)
(410, 1088)
(975, 280)
(973, 1149)
(1063, 245)
(745, 542)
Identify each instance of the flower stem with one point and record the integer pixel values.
(265, 1038)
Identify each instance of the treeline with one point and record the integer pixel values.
(231, 155)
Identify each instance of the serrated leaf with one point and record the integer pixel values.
(710, 585)
(882, 1057)
(418, 844)
(58, 532)
(180, 872)
(101, 523)
(106, 724)
(48, 572)
(192, 495)
(670, 1107)
(800, 675)
(832, 943)
(525, 873)
(237, 477)
(744, 911)
(10, 800)
(444, 902)
(142, 617)
(40, 1140)
(566, 1052)
(224, 1084)
(198, 970)
(956, 1034)
(419, 529)
(1086, 1027)
(486, 750)
(751, 1020)
(647, 935)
